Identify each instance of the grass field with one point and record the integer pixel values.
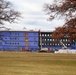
(26, 63)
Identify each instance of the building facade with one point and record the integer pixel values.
(31, 41)
(19, 40)
(48, 42)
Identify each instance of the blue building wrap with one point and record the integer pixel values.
(19, 41)
(73, 45)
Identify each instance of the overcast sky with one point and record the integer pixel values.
(33, 15)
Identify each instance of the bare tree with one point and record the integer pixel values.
(7, 13)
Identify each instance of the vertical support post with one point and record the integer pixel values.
(40, 39)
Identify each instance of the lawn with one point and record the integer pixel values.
(34, 63)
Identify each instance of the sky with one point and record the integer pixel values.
(33, 16)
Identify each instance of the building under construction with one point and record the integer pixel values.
(31, 41)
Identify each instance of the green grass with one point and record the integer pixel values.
(27, 63)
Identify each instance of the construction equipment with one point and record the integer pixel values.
(63, 45)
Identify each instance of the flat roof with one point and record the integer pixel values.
(25, 30)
